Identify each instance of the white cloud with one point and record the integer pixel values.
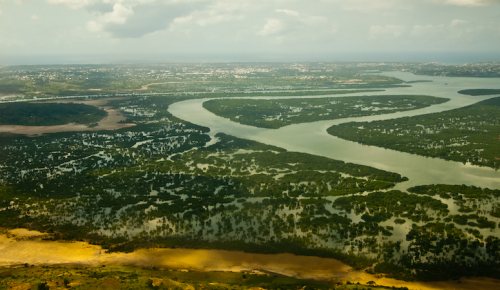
(426, 30)
(118, 15)
(73, 4)
(273, 26)
(242, 25)
(392, 31)
(288, 12)
(131, 18)
(288, 25)
(369, 6)
(471, 2)
(455, 30)
(457, 23)
(215, 13)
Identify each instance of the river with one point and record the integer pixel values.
(312, 137)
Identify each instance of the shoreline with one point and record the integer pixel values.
(22, 246)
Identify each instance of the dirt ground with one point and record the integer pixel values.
(21, 246)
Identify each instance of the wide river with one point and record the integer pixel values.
(312, 137)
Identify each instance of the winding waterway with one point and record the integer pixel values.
(312, 137)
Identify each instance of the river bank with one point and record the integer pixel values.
(22, 246)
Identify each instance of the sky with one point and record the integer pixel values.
(107, 31)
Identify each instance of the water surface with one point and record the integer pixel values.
(312, 137)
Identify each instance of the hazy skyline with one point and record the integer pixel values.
(80, 31)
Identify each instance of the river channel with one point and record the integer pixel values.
(312, 137)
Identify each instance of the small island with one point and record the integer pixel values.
(277, 113)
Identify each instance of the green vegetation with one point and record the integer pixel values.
(382, 206)
(166, 181)
(436, 238)
(480, 92)
(469, 134)
(286, 93)
(10, 86)
(278, 113)
(40, 114)
(122, 277)
(238, 79)
(482, 70)
(169, 183)
(469, 199)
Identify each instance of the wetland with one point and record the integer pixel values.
(168, 173)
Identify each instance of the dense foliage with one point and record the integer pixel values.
(169, 183)
(282, 112)
(469, 134)
(39, 114)
(165, 182)
(480, 92)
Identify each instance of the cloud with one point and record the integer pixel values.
(471, 2)
(457, 23)
(368, 6)
(392, 31)
(214, 13)
(131, 18)
(118, 15)
(273, 26)
(288, 12)
(73, 4)
(456, 30)
(289, 22)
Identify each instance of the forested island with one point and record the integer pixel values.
(469, 135)
(279, 113)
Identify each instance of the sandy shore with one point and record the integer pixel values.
(22, 246)
(110, 122)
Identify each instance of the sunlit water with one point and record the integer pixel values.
(312, 137)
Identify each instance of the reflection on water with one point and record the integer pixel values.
(312, 137)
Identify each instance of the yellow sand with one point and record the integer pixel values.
(22, 246)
